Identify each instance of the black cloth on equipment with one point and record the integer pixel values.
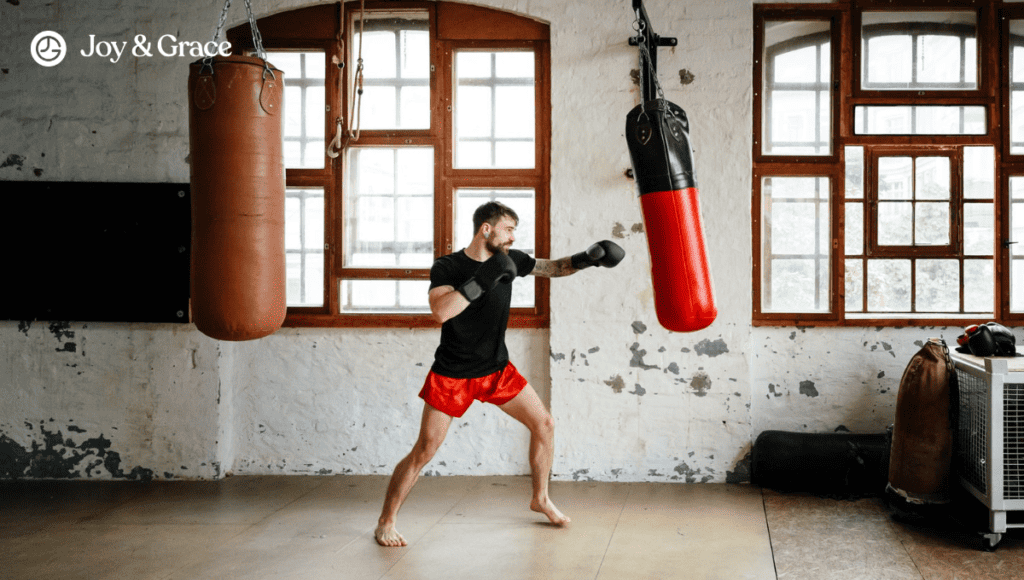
(473, 343)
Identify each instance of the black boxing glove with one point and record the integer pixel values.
(603, 253)
(1005, 342)
(981, 342)
(499, 268)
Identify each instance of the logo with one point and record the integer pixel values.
(49, 48)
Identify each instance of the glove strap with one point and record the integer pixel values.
(471, 289)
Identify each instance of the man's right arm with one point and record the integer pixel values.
(446, 303)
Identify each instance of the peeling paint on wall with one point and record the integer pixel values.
(741, 471)
(638, 358)
(807, 388)
(616, 383)
(59, 458)
(711, 349)
(13, 160)
(700, 383)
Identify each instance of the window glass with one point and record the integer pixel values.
(795, 234)
(396, 70)
(913, 206)
(919, 120)
(304, 246)
(495, 121)
(304, 104)
(389, 207)
(919, 50)
(1017, 87)
(797, 101)
(1017, 248)
(384, 296)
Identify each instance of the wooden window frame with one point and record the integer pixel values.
(991, 92)
(453, 26)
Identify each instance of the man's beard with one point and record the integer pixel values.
(495, 248)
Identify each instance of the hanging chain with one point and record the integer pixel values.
(645, 61)
(257, 38)
(223, 19)
(355, 116)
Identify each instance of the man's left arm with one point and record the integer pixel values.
(604, 253)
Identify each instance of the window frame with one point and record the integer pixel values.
(452, 26)
(991, 91)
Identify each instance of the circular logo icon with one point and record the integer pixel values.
(49, 48)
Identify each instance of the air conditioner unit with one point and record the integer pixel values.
(990, 437)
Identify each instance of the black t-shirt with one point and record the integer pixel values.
(473, 343)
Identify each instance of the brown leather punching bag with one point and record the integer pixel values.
(238, 192)
(922, 438)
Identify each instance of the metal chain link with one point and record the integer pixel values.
(223, 19)
(257, 38)
(645, 57)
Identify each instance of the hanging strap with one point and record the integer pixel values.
(355, 115)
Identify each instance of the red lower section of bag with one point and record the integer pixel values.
(683, 293)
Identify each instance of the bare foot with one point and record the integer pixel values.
(547, 508)
(387, 535)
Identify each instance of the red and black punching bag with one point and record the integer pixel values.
(238, 192)
(657, 132)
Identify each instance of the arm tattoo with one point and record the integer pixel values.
(553, 268)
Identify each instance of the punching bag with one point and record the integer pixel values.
(238, 192)
(659, 147)
(922, 437)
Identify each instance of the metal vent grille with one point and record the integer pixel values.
(972, 433)
(1013, 441)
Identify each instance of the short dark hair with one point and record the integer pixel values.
(490, 213)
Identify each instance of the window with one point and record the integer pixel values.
(899, 208)
(454, 111)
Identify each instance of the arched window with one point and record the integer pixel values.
(454, 111)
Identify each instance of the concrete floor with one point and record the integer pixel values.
(469, 528)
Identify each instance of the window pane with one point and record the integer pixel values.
(938, 286)
(919, 50)
(379, 296)
(389, 209)
(978, 229)
(798, 91)
(931, 224)
(523, 202)
(980, 287)
(304, 246)
(854, 285)
(895, 223)
(854, 229)
(396, 70)
(919, 120)
(889, 285)
(895, 177)
(796, 248)
(304, 107)
(495, 94)
(1017, 249)
(932, 178)
(979, 172)
(854, 172)
(1016, 88)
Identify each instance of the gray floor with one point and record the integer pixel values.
(469, 528)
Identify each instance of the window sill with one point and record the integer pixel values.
(316, 320)
(946, 320)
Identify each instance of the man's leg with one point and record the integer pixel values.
(433, 428)
(528, 409)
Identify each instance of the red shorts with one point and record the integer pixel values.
(453, 396)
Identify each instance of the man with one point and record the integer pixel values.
(470, 294)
